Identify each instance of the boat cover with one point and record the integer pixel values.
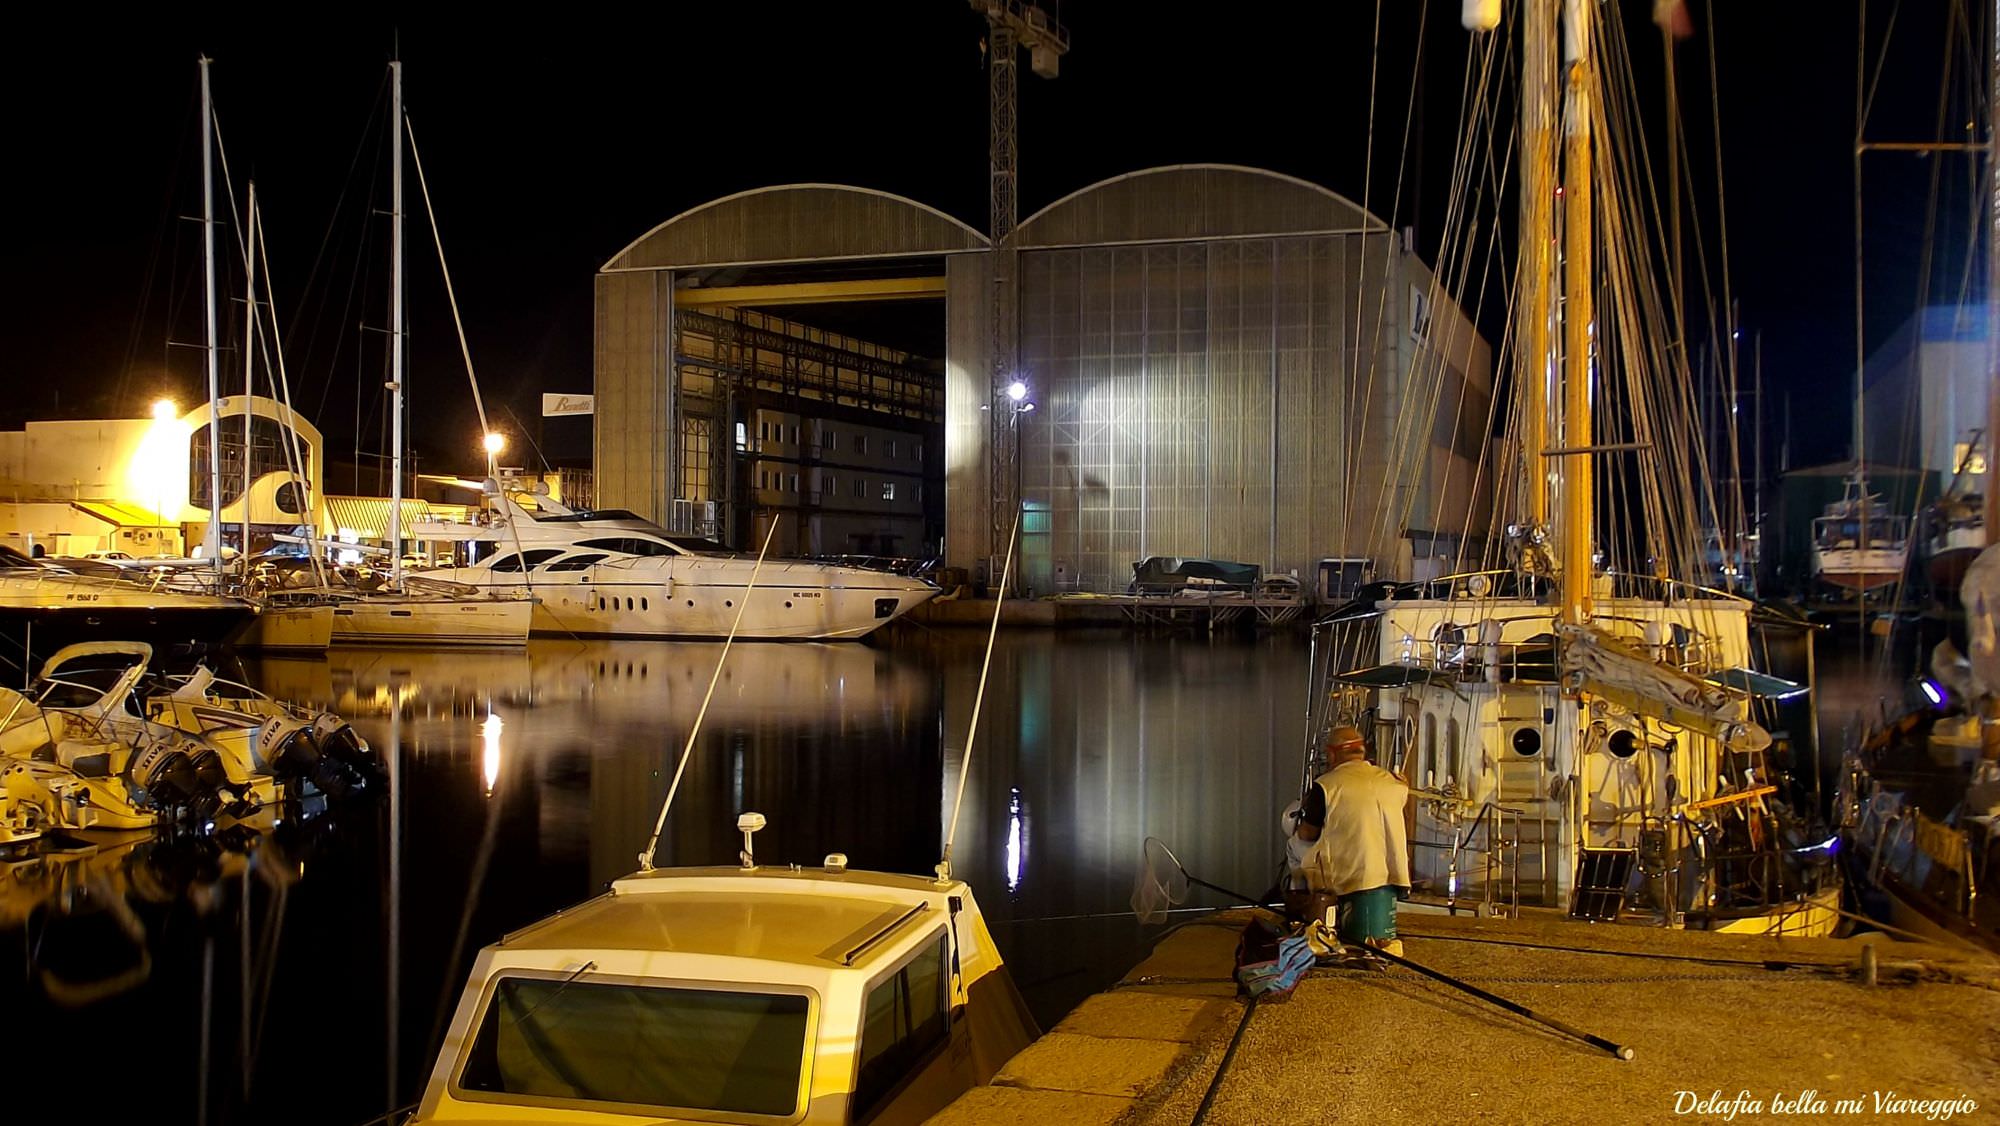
(1160, 574)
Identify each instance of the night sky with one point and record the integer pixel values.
(551, 144)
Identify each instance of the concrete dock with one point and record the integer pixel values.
(1723, 1028)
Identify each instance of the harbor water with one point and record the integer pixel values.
(307, 975)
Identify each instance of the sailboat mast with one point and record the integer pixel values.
(212, 540)
(249, 346)
(396, 358)
(1992, 488)
(1538, 220)
(1578, 316)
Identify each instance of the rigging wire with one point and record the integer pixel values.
(687, 752)
(979, 698)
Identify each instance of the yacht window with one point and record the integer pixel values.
(533, 559)
(904, 1022)
(702, 1049)
(508, 562)
(627, 545)
(1451, 764)
(576, 562)
(1429, 776)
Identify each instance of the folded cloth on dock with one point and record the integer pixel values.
(1268, 966)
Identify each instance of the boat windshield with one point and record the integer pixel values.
(11, 560)
(730, 1051)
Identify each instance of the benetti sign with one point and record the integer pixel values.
(555, 405)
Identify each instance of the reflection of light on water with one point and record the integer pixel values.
(490, 761)
(1014, 842)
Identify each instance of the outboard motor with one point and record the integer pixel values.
(168, 773)
(338, 740)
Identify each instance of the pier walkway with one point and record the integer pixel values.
(1715, 1022)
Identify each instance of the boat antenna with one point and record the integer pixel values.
(972, 730)
(653, 842)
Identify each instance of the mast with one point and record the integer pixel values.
(212, 538)
(1992, 487)
(249, 345)
(1578, 315)
(1538, 218)
(396, 323)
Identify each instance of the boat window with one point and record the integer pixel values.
(650, 1046)
(576, 562)
(628, 545)
(1430, 751)
(508, 562)
(904, 1022)
(532, 559)
(1451, 764)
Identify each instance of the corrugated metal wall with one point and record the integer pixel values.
(634, 419)
(1216, 398)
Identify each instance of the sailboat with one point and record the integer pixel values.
(421, 612)
(1579, 738)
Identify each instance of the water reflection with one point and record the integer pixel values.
(525, 781)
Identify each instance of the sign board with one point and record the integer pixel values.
(554, 406)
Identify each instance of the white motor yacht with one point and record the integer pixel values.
(612, 574)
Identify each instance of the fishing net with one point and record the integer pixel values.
(1162, 883)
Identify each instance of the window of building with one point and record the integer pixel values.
(920, 451)
(903, 1025)
(795, 433)
(892, 447)
(795, 483)
(829, 484)
(763, 430)
(742, 436)
(832, 440)
(888, 490)
(861, 443)
(859, 486)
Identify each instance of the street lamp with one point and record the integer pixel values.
(494, 443)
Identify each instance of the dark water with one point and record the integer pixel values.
(285, 979)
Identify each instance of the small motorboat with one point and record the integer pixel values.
(818, 995)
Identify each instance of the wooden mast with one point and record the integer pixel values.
(1538, 178)
(1578, 316)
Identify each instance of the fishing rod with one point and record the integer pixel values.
(978, 698)
(1620, 1051)
(653, 843)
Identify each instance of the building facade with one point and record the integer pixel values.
(1212, 361)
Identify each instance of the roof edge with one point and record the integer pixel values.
(612, 262)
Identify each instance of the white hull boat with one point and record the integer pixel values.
(734, 995)
(613, 574)
(416, 619)
(303, 628)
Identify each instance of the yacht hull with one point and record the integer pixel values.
(1858, 571)
(613, 602)
(417, 621)
(292, 628)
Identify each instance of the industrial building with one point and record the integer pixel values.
(1204, 361)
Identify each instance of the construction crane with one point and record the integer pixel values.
(1011, 25)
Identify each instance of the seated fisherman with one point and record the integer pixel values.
(1352, 822)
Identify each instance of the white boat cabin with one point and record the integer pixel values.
(759, 995)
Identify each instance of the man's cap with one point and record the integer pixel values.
(1345, 736)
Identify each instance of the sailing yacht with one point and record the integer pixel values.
(1577, 738)
(43, 608)
(418, 613)
(612, 574)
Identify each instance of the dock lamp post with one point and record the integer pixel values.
(494, 443)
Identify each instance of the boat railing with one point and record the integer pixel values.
(1471, 660)
(1501, 858)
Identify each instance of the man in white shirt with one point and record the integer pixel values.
(1352, 819)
